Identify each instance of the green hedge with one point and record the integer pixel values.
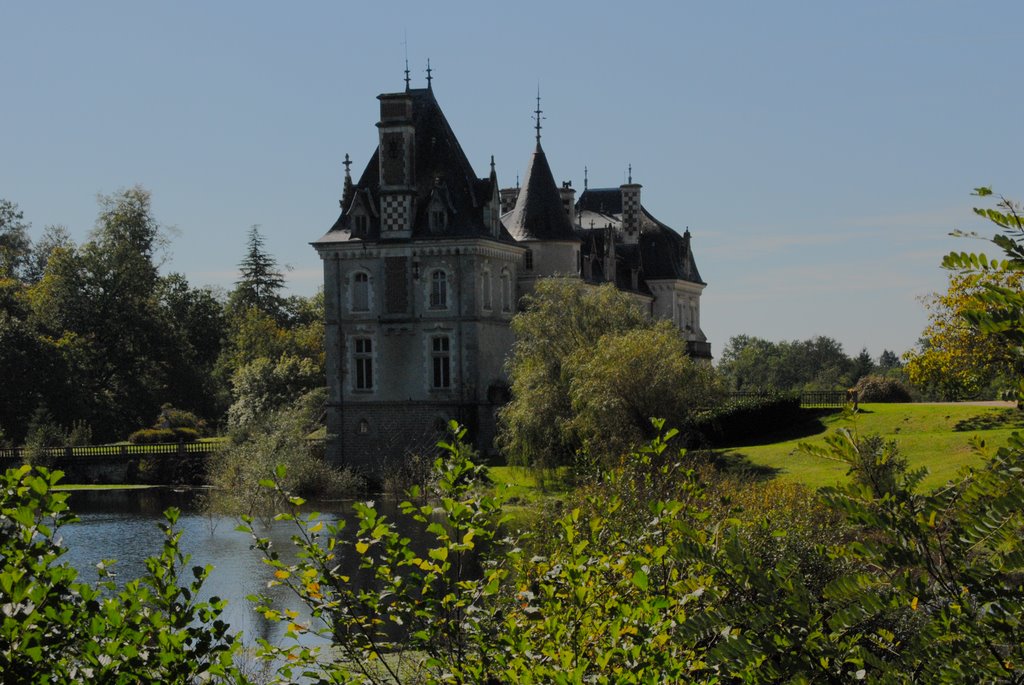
(151, 436)
(743, 419)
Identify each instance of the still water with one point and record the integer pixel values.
(123, 525)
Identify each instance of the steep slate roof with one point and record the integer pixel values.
(539, 213)
(659, 254)
(441, 166)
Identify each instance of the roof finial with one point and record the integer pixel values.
(347, 163)
(584, 178)
(630, 173)
(492, 164)
(537, 115)
(429, 77)
(405, 43)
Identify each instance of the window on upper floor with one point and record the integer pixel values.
(362, 360)
(360, 224)
(529, 260)
(438, 219)
(485, 288)
(441, 358)
(360, 292)
(506, 291)
(439, 290)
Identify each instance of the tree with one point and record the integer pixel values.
(888, 361)
(751, 363)
(998, 307)
(261, 280)
(560, 325)
(627, 379)
(102, 299)
(15, 245)
(863, 365)
(54, 237)
(956, 360)
(266, 385)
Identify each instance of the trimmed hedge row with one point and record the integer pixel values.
(744, 419)
(150, 436)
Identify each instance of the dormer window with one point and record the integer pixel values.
(360, 224)
(438, 219)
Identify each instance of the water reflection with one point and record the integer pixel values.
(124, 525)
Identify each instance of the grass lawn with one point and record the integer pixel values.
(936, 436)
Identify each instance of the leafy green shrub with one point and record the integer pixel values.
(179, 418)
(153, 436)
(257, 450)
(881, 389)
(55, 629)
(742, 419)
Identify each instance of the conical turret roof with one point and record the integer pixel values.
(539, 213)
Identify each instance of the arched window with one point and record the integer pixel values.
(439, 290)
(360, 292)
(364, 426)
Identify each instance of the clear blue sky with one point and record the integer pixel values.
(819, 152)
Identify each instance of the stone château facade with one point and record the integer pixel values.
(425, 267)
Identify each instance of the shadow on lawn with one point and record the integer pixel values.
(811, 424)
(991, 420)
(739, 465)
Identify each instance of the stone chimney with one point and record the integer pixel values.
(568, 194)
(630, 229)
(397, 166)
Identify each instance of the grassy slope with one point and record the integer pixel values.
(933, 435)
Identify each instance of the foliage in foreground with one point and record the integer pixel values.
(644, 578)
(644, 581)
(57, 629)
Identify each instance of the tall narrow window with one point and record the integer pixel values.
(360, 223)
(485, 285)
(442, 362)
(506, 292)
(529, 260)
(360, 292)
(439, 290)
(363, 361)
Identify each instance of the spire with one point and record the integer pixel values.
(405, 45)
(429, 77)
(537, 115)
(346, 193)
(630, 173)
(584, 178)
(492, 164)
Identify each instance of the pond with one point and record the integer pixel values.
(123, 525)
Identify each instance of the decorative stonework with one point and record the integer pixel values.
(394, 212)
